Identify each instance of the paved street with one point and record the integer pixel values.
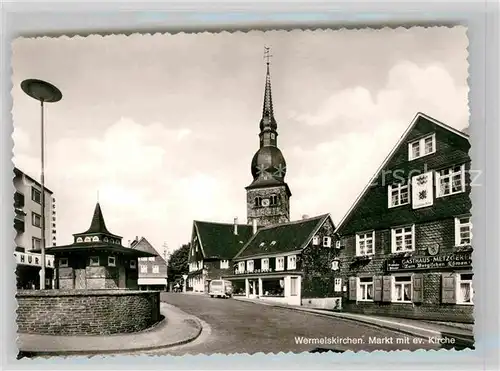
(244, 327)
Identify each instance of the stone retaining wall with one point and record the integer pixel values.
(86, 312)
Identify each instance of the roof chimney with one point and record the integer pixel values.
(254, 225)
(305, 216)
(236, 225)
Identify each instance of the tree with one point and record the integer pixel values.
(178, 263)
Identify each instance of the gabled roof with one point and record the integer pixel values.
(401, 140)
(144, 245)
(218, 240)
(281, 238)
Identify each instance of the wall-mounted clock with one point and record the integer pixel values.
(265, 202)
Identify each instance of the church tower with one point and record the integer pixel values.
(268, 196)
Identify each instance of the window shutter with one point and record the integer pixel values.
(448, 288)
(418, 287)
(438, 185)
(352, 288)
(377, 288)
(386, 288)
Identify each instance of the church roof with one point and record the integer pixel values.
(218, 240)
(268, 119)
(282, 238)
(97, 224)
(144, 245)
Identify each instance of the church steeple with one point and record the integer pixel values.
(97, 232)
(268, 134)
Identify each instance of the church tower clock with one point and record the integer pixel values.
(268, 196)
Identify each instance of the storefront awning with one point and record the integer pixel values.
(33, 259)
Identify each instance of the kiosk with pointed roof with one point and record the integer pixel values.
(96, 259)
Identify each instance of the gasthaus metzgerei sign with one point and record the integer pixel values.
(453, 260)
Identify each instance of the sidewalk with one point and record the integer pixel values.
(176, 329)
(463, 335)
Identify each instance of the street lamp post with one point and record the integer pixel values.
(45, 93)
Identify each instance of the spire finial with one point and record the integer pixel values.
(97, 196)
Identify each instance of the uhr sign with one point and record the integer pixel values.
(33, 259)
(454, 260)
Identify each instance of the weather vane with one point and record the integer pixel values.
(267, 54)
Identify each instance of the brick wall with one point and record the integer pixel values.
(85, 312)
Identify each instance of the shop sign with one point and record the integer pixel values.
(33, 259)
(422, 190)
(453, 260)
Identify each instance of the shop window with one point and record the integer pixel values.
(422, 147)
(337, 284)
(327, 241)
(402, 290)
(365, 244)
(280, 263)
(292, 262)
(450, 181)
(250, 266)
(294, 286)
(465, 292)
(63, 262)
(403, 239)
(94, 261)
(156, 269)
(463, 234)
(265, 264)
(111, 261)
(398, 194)
(224, 264)
(365, 289)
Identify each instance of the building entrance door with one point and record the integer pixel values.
(80, 281)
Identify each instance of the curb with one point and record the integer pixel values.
(197, 323)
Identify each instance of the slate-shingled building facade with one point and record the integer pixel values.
(405, 245)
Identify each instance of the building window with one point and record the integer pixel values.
(250, 265)
(63, 262)
(365, 289)
(327, 241)
(79, 239)
(337, 284)
(241, 267)
(106, 239)
(265, 264)
(402, 289)
(274, 199)
(133, 264)
(95, 239)
(111, 261)
(294, 283)
(280, 263)
(144, 268)
(403, 239)
(36, 220)
(156, 269)
(398, 194)
(94, 260)
(88, 239)
(36, 195)
(292, 262)
(151, 258)
(192, 251)
(365, 244)
(224, 264)
(463, 234)
(465, 293)
(450, 181)
(316, 240)
(196, 247)
(422, 147)
(258, 201)
(36, 243)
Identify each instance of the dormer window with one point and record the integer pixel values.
(95, 239)
(422, 147)
(79, 239)
(106, 239)
(262, 244)
(111, 240)
(273, 243)
(87, 239)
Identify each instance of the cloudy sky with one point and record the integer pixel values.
(164, 126)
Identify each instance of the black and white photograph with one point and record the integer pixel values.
(301, 191)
